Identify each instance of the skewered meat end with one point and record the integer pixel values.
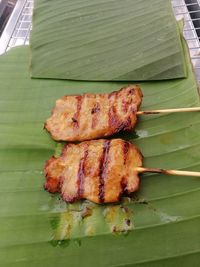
(98, 170)
(92, 116)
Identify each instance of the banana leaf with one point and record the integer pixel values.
(157, 226)
(106, 40)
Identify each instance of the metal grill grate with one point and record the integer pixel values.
(19, 33)
(190, 11)
(18, 28)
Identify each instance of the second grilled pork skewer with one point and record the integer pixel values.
(92, 116)
(98, 170)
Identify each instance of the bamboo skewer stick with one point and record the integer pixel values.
(170, 172)
(172, 110)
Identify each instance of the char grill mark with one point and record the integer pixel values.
(127, 102)
(81, 173)
(95, 109)
(95, 112)
(76, 116)
(112, 117)
(125, 150)
(123, 183)
(103, 169)
(113, 120)
(124, 126)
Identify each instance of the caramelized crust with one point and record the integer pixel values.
(91, 116)
(97, 170)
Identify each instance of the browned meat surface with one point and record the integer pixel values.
(98, 170)
(91, 116)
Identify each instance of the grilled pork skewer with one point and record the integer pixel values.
(92, 116)
(98, 170)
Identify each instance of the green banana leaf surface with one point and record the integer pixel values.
(106, 40)
(157, 226)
